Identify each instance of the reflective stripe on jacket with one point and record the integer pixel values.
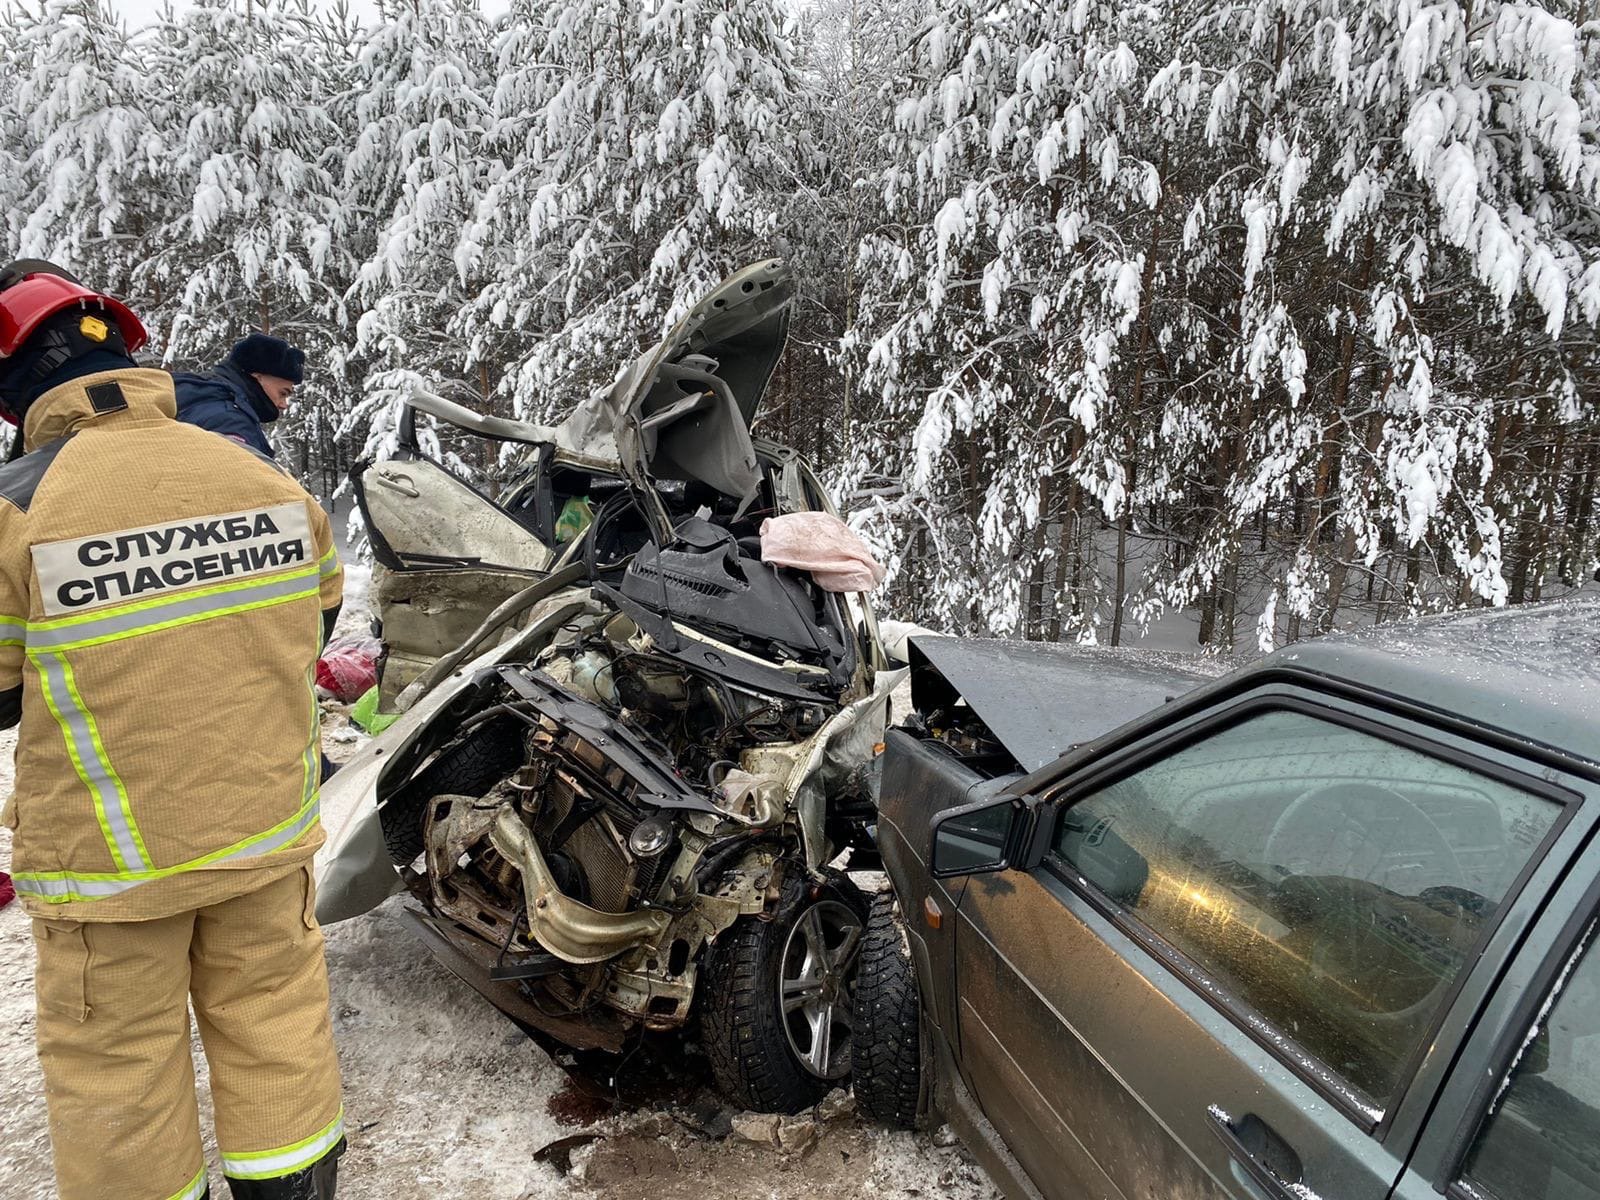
(161, 601)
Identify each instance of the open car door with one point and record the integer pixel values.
(445, 554)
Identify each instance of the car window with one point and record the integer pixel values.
(1327, 881)
(1541, 1140)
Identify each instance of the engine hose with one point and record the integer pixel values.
(722, 853)
(520, 711)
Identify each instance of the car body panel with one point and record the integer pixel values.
(668, 418)
(1081, 1060)
(1486, 1047)
(444, 556)
(1527, 671)
(954, 1102)
(919, 781)
(424, 517)
(427, 614)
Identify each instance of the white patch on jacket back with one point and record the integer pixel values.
(137, 564)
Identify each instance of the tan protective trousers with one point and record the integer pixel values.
(113, 1004)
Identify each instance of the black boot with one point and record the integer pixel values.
(316, 1182)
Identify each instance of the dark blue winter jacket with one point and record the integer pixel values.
(226, 402)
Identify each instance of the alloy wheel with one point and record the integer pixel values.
(816, 987)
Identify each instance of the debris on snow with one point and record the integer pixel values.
(760, 1129)
(797, 1134)
(836, 1105)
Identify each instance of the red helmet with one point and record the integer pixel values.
(37, 295)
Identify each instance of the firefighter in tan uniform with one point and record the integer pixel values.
(164, 594)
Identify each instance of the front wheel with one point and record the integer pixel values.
(778, 998)
(888, 1022)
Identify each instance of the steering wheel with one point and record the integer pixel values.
(1357, 858)
(1362, 831)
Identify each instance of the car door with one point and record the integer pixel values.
(1232, 945)
(1519, 1117)
(445, 556)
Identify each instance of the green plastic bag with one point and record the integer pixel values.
(576, 516)
(365, 714)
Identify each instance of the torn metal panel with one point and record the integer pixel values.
(473, 960)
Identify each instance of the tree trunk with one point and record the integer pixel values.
(1579, 509)
(1545, 515)
(1340, 398)
(1136, 404)
(1034, 622)
(1338, 571)
(1208, 616)
(1230, 600)
(1068, 558)
(1386, 595)
(1122, 577)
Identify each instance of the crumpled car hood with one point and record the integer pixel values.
(1041, 699)
(683, 410)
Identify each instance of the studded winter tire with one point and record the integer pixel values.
(469, 768)
(886, 1049)
(777, 998)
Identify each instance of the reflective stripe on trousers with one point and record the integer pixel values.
(285, 1160)
(196, 1188)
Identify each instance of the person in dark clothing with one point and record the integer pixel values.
(245, 392)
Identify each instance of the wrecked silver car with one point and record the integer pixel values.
(630, 749)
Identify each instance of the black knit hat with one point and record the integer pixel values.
(262, 354)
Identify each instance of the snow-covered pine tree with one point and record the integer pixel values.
(1409, 211)
(642, 139)
(14, 146)
(252, 238)
(1212, 307)
(998, 303)
(848, 51)
(89, 154)
(417, 107)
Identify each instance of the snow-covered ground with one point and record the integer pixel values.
(445, 1098)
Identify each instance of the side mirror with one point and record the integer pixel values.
(979, 838)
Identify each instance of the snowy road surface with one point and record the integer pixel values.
(445, 1098)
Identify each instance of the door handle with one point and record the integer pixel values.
(1265, 1157)
(396, 482)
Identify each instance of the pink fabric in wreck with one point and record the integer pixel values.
(824, 545)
